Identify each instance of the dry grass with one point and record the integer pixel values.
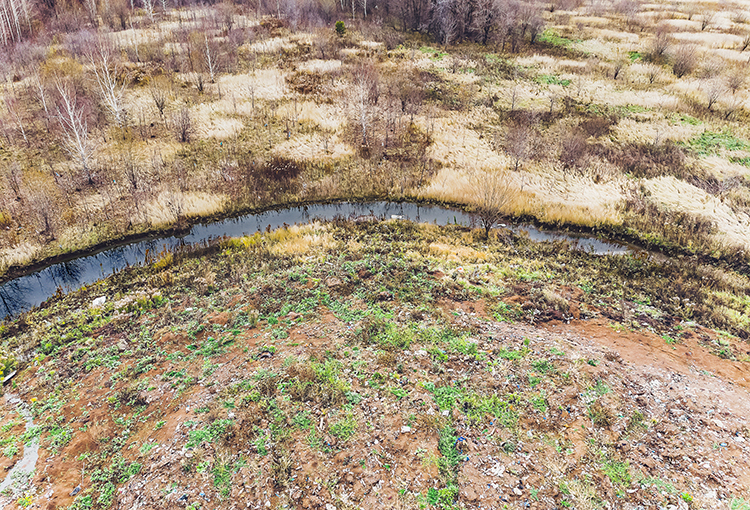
(630, 130)
(552, 197)
(320, 66)
(328, 117)
(311, 147)
(212, 124)
(19, 255)
(300, 240)
(273, 45)
(460, 254)
(169, 206)
(676, 195)
(265, 84)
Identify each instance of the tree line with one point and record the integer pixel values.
(507, 22)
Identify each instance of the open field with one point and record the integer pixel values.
(627, 118)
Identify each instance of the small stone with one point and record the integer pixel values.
(517, 491)
(99, 302)
(76, 491)
(405, 429)
(330, 507)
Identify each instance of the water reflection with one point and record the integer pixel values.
(27, 291)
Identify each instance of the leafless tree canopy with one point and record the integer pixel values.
(493, 192)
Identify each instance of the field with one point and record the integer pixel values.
(630, 119)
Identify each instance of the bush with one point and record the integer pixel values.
(646, 160)
(574, 150)
(684, 60)
(340, 28)
(7, 363)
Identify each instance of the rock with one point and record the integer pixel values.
(76, 491)
(497, 470)
(330, 507)
(99, 302)
(405, 429)
(122, 345)
(334, 282)
(517, 491)
(470, 494)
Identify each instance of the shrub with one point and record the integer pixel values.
(684, 60)
(647, 160)
(340, 28)
(574, 150)
(7, 363)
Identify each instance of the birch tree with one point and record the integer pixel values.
(106, 66)
(15, 20)
(210, 57)
(71, 115)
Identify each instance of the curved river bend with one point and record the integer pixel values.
(25, 292)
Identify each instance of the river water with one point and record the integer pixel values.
(25, 292)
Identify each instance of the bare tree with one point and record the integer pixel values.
(518, 143)
(183, 125)
(737, 77)
(493, 191)
(13, 177)
(209, 56)
(485, 19)
(745, 42)
(447, 24)
(15, 20)
(159, 95)
(107, 68)
(707, 20)
(661, 42)
(71, 116)
(685, 59)
(574, 150)
(42, 94)
(366, 93)
(42, 204)
(15, 111)
(149, 7)
(653, 73)
(714, 89)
